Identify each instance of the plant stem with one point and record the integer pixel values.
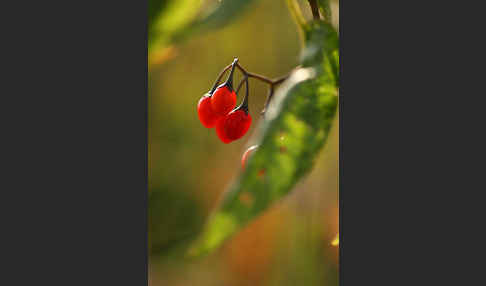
(229, 82)
(280, 80)
(261, 77)
(253, 75)
(241, 84)
(244, 104)
(216, 83)
(315, 9)
(267, 102)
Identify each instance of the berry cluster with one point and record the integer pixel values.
(217, 109)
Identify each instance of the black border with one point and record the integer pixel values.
(76, 166)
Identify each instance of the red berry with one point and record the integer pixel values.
(206, 115)
(247, 154)
(220, 131)
(234, 125)
(223, 100)
(224, 97)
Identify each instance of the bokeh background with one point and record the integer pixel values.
(189, 168)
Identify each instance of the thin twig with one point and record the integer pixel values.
(216, 83)
(280, 80)
(244, 104)
(271, 89)
(241, 84)
(267, 102)
(261, 77)
(254, 75)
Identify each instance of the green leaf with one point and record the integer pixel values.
(172, 21)
(217, 16)
(168, 18)
(325, 8)
(295, 128)
(322, 50)
(223, 13)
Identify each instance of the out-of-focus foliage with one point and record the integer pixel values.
(296, 127)
(177, 217)
(220, 14)
(170, 21)
(168, 18)
(325, 9)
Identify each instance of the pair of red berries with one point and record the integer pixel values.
(217, 109)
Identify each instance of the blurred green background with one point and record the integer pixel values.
(189, 167)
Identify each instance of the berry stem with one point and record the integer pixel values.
(260, 77)
(267, 102)
(229, 81)
(241, 84)
(244, 104)
(245, 99)
(280, 80)
(254, 75)
(218, 79)
(216, 83)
